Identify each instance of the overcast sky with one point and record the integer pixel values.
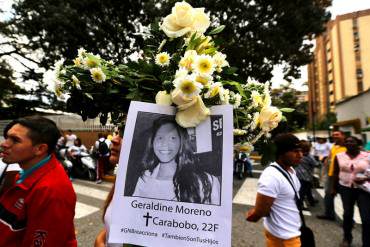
(339, 7)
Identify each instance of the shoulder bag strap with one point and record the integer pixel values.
(296, 198)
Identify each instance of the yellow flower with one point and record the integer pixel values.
(269, 118)
(220, 61)
(246, 147)
(188, 59)
(179, 98)
(184, 19)
(188, 85)
(163, 98)
(97, 75)
(214, 90)
(77, 61)
(192, 113)
(204, 65)
(162, 59)
(203, 79)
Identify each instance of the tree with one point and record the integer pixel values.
(287, 96)
(259, 33)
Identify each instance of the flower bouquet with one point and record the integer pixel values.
(182, 65)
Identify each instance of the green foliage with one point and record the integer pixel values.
(297, 113)
(258, 34)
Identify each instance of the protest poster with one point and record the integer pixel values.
(174, 185)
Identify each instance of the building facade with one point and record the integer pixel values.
(341, 65)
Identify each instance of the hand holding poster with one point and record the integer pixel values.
(174, 185)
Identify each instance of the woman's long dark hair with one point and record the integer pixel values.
(191, 182)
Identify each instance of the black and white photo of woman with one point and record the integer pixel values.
(170, 170)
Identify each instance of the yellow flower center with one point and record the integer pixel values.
(204, 66)
(97, 76)
(163, 58)
(188, 87)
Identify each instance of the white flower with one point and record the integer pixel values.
(188, 59)
(266, 92)
(204, 64)
(214, 89)
(97, 75)
(58, 88)
(255, 120)
(220, 61)
(269, 118)
(163, 98)
(256, 98)
(184, 19)
(181, 72)
(162, 59)
(237, 100)
(225, 96)
(58, 67)
(188, 85)
(81, 52)
(76, 82)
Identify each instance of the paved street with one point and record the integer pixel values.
(91, 198)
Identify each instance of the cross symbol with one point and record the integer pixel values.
(147, 217)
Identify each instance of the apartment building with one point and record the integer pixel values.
(341, 65)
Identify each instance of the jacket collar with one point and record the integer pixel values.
(30, 180)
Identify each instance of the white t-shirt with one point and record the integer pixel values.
(284, 220)
(322, 149)
(70, 139)
(151, 187)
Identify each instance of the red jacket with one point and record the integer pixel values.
(40, 210)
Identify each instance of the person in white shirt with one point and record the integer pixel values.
(70, 139)
(276, 198)
(321, 149)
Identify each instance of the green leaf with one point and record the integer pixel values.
(217, 30)
(237, 86)
(287, 109)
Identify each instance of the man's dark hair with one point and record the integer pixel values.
(285, 142)
(41, 130)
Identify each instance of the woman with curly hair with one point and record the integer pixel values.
(170, 169)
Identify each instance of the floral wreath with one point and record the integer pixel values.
(186, 69)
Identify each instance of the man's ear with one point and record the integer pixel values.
(41, 149)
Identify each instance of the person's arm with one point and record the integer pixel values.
(50, 217)
(335, 177)
(261, 209)
(101, 239)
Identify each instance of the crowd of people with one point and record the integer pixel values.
(42, 193)
(286, 183)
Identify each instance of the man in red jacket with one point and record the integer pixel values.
(38, 210)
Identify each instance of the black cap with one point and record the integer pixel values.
(286, 142)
